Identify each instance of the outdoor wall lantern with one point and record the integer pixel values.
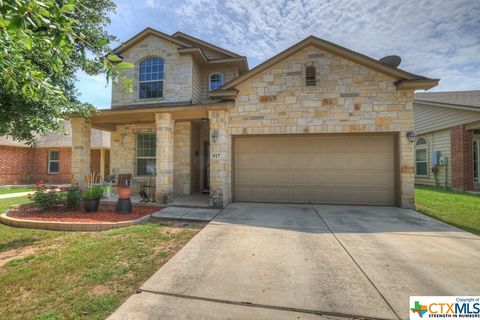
(215, 135)
(411, 136)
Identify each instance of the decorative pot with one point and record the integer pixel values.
(91, 205)
(124, 193)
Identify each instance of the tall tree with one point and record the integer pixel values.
(43, 44)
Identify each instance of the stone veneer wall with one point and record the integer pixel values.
(177, 85)
(348, 98)
(182, 158)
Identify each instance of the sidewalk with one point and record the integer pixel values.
(14, 195)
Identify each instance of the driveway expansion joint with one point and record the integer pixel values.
(355, 262)
(262, 306)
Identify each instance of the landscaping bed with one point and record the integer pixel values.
(105, 213)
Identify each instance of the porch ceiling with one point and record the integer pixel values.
(108, 119)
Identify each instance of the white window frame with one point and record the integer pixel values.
(50, 160)
(210, 80)
(422, 147)
(137, 157)
(476, 145)
(147, 81)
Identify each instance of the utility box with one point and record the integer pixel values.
(443, 161)
(436, 155)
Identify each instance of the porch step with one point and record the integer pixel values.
(192, 206)
(188, 214)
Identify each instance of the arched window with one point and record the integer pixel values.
(421, 157)
(151, 78)
(310, 76)
(216, 81)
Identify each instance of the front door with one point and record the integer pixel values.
(206, 167)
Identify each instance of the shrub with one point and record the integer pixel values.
(73, 197)
(48, 197)
(92, 193)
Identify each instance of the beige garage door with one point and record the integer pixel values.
(329, 169)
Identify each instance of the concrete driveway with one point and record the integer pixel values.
(268, 261)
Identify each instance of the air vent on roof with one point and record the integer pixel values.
(391, 61)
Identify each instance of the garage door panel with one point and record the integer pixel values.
(315, 169)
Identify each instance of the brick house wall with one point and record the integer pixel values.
(23, 165)
(462, 166)
(15, 162)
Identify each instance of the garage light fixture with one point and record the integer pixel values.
(411, 136)
(215, 135)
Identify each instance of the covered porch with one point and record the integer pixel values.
(175, 154)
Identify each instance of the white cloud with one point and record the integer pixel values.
(437, 39)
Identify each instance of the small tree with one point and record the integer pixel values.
(42, 46)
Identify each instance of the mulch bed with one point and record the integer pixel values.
(106, 213)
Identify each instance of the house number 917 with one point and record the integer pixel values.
(216, 155)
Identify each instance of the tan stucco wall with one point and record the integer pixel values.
(177, 85)
(348, 98)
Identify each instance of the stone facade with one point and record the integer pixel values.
(177, 84)
(348, 98)
(182, 158)
(81, 133)
(220, 159)
(164, 178)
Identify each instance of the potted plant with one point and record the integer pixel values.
(91, 198)
(124, 189)
(92, 194)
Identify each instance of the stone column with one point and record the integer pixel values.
(81, 131)
(182, 158)
(220, 160)
(164, 179)
(102, 164)
(462, 160)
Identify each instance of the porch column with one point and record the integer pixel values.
(182, 158)
(81, 131)
(462, 163)
(102, 164)
(220, 159)
(164, 179)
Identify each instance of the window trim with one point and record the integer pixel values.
(144, 157)
(150, 81)
(50, 161)
(427, 158)
(210, 80)
(477, 142)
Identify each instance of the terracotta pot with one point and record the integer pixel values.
(124, 193)
(91, 205)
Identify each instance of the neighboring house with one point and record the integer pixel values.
(447, 126)
(50, 160)
(317, 123)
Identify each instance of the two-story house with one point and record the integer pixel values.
(317, 123)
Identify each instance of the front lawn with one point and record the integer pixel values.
(456, 208)
(14, 190)
(57, 275)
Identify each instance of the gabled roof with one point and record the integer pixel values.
(469, 100)
(145, 33)
(180, 35)
(405, 79)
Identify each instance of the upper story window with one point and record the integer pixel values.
(151, 78)
(310, 76)
(421, 157)
(53, 161)
(216, 81)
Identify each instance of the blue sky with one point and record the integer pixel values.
(438, 38)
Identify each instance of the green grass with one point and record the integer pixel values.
(459, 209)
(59, 275)
(14, 190)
